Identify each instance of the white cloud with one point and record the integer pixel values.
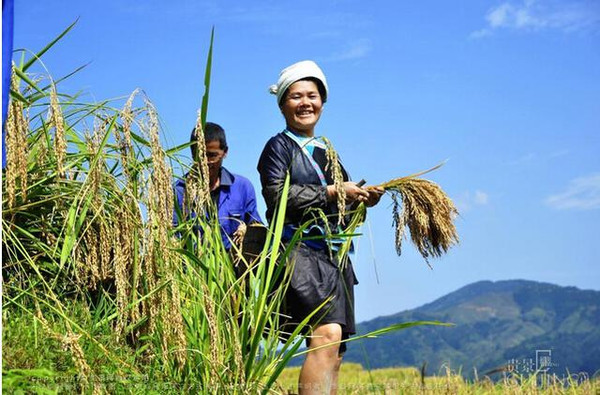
(569, 15)
(480, 33)
(533, 157)
(500, 15)
(354, 50)
(481, 198)
(582, 193)
(559, 154)
(526, 158)
(468, 199)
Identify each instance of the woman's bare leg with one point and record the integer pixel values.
(319, 373)
(336, 371)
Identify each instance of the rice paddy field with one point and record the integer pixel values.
(405, 380)
(101, 293)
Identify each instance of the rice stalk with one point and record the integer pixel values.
(60, 139)
(123, 135)
(161, 206)
(150, 306)
(175, 320)
(132, 235)
(213, 333)
(94, 175)
(91, 267)
(424, 208)
(150, 262)
(166, 305)
(238, 358)
(106, 234)
(197, 187)
(122, 258)
(70, 343)
(16, 147)
(334, 166)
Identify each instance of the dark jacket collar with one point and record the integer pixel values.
(226, 177)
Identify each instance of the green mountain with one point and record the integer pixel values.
(497, 324)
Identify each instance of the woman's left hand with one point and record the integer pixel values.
(375, 194)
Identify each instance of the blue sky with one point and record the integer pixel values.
(508, 91)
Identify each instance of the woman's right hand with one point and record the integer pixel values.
(354, 193)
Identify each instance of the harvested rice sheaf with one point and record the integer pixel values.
(424, 208)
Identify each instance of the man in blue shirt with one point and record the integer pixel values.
(232, 194)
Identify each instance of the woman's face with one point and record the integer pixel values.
(302, 107)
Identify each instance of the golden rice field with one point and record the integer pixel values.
(407, 380)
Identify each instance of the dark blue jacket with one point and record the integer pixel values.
(280, 155)
(236, 203)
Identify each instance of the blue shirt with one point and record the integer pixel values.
(236, 203)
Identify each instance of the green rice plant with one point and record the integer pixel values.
(95, 270)
(74, 226)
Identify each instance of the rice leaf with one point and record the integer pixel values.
(38, 55)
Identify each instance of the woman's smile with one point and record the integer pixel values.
(302, 107)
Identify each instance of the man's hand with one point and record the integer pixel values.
(238, 235)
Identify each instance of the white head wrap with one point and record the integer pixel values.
(295, 72)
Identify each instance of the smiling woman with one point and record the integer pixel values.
(302, 106)
(320, 281)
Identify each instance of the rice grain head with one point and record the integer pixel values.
(91, 269)
(124, 140)
(106, 244)
(95, 173)
(16, 147)
(198, 181)
(123, 257)
(333, 164)
(133, 228)
(161, 208)
(150, 306)
(70, 342)
(165, 304)
(175, 319)
(400, 219)
(429, 215)
(60, 139)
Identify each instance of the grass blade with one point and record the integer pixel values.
(37, 56)
(207, 73)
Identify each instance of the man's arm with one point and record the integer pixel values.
(250, 212)
(178, 192)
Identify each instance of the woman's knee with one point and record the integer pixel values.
(325, 334)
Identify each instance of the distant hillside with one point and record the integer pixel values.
(497, 323)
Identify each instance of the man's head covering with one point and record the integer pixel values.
(296, 72)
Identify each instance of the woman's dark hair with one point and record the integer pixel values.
(212, 132)
(320, 88)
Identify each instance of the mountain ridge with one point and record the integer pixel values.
(496, 322)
